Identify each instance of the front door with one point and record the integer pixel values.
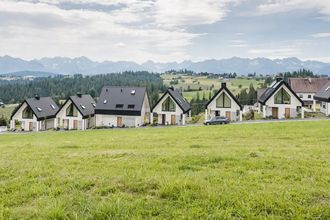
(163, 119)
(228, 115)
(75, 124)
(119, 121)
(287, 112)
(30, 126)
(275, 112)
(173, 119)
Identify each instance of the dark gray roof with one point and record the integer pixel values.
(42, 107)
(272, 89)
(84, 104)
(121, 100)
(178, 98)
(324, 93)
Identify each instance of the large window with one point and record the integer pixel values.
(282, 97)
(168, 105)
(223, 101)
(27, 113)
(71, 111)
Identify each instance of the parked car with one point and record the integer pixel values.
(217, 120)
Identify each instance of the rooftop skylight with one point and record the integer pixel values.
(53, 107)
(83, 107)
(39, 109)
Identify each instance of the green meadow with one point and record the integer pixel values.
(248, 171)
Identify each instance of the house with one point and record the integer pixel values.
(35, 114)
(280, 101)
(122, 106)
(77, 113)
(224, 103)
(172, 108)
(306, 88)
(323, 96)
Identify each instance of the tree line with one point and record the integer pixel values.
(61, 87)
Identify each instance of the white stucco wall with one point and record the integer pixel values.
(103, 120)
(178, 112)
(234, 109)
(325, 108)
(281, 107)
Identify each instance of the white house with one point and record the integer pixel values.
(172, 108)
(225, 104)
(306, 88)
(279, 101)
(324, 97)
(34, 114)
(77, 113)
(122, 106)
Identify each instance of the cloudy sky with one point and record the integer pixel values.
(165, 30)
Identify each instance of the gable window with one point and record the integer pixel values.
(282, 97)
(223, 101)
(71, 111)
(168, 105)
(27, 113)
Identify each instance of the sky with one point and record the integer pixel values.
(165, 30)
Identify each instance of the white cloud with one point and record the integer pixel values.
(279, 6)
(134, 30)
(275, 52)
(321, 35)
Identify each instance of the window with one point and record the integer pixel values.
(133, 92)
(223, 101)
(168, 105)
(130, 106)
(282, 97)
(82, 106)
(105, 101)
(71, 111)
(39, 109)
(52, 106)
(301, 96)
(119, 106)
(27, 113)
(94, 105)
(309, 96)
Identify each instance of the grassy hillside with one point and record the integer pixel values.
(196, 82)
(7, 110)
(253, 171)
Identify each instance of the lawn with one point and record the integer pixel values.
(249, 171)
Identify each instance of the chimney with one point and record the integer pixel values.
(37, 97)
(278, 79)
(79, 94)
(171, 88)
(223, 85)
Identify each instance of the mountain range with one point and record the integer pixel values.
(83, 65)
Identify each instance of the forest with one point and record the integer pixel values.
(61, 87)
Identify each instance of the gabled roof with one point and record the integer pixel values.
(273, 88)
(84, 104)
(42, 107)
(121, 100)
(224, 88)
(324, 93)
(307, 85)
(178, 98)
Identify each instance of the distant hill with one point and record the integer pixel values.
(83, 65)
(30, 73)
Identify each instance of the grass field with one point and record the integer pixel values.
(196, 82)
(7, 110)
(253, 171)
